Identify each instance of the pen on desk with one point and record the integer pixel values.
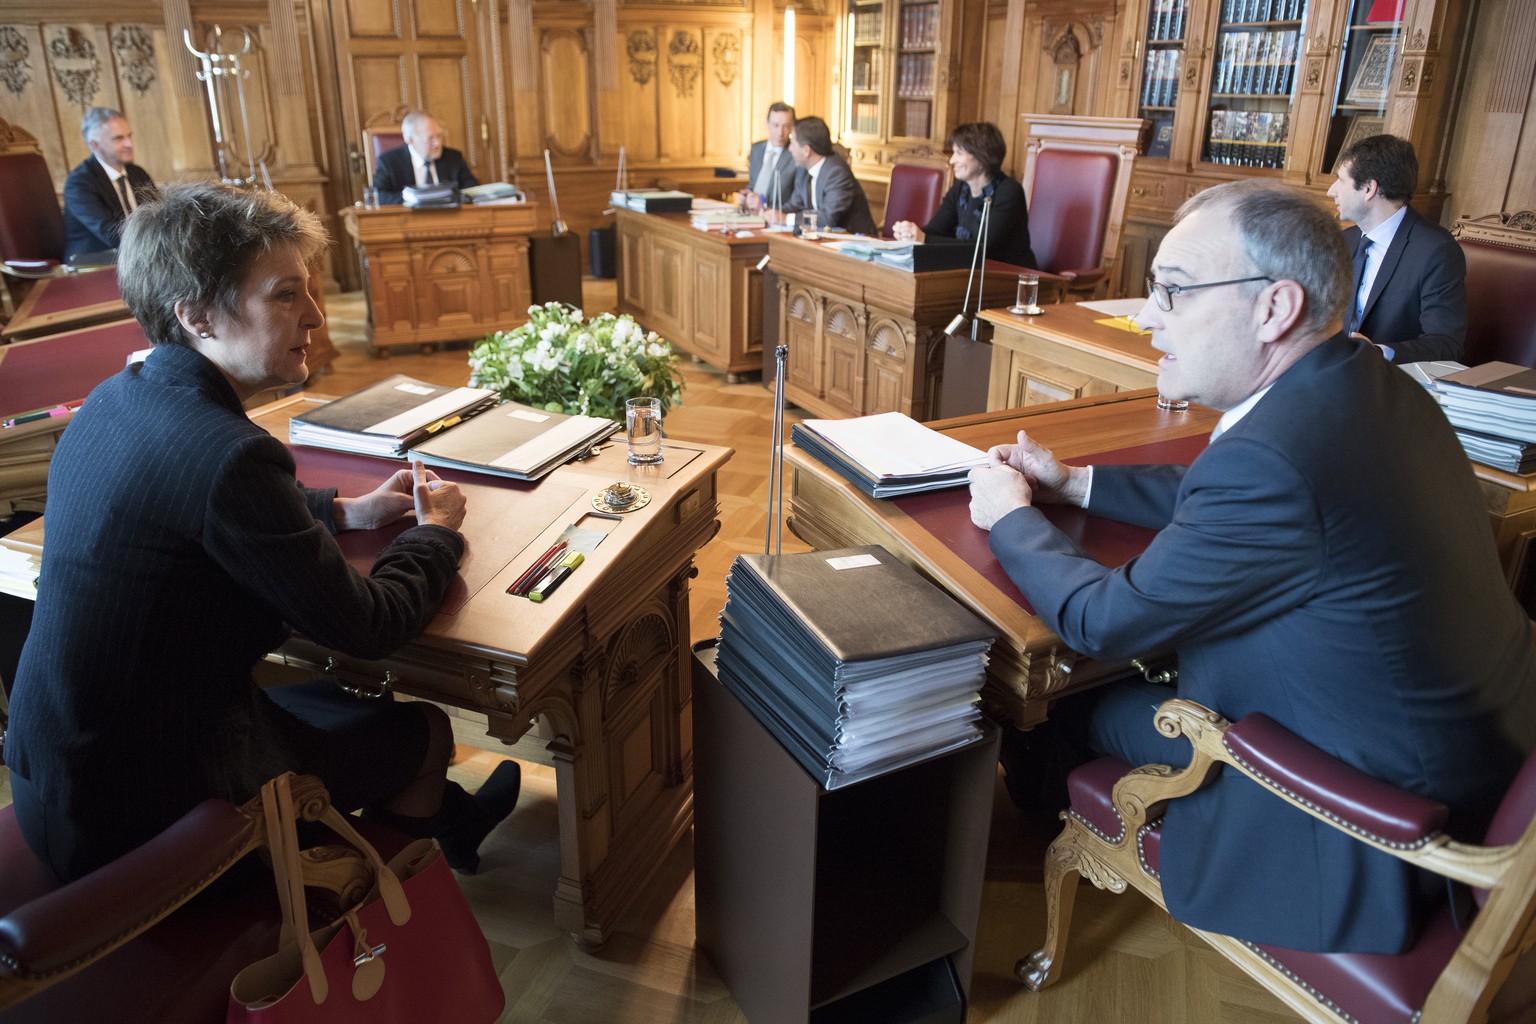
(556, 576)
(41, 414)
(537, 569)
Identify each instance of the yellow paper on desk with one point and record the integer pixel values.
(1123, 323)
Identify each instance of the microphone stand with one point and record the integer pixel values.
(977, 257)
(774, 541)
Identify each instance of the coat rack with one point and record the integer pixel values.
(225, 81)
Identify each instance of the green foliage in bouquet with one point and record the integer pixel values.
(561, 361)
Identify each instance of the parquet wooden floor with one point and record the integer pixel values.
(1127, 964)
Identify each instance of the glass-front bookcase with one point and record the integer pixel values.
(1371, 45)
(893, 61)
(1253, 83)
(1159, 96)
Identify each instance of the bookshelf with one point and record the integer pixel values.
(1371, 44)
(895, 68)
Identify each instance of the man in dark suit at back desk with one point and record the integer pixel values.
(423, 160)
(104, 188)
(1326, 561)
(1409, 273)
(825, 183)
(771, 168)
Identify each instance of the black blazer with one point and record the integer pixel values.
(1349, 591)
(1418, 302)
(1008, 231)
(783, 172)
(395, 173)
(93, 211)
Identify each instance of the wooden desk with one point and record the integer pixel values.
(443, 275)
(864, 337)
(1063, 353)
(699, 290)
(606, 660)
(1029, 665)
(66, 303)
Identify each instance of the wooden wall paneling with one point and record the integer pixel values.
(565, 62)
(448, 94)
(723, 92)
(640, 83)
(78, 62)
(1491, 142)
(681, 85)
(522, 113)
(28, 98)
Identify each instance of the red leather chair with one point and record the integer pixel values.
(1501, 288)
(140, 939)
(915, 193)
(31, 222)
(1069, 209)
(1113, 832)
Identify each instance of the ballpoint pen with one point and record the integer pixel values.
(520, 587)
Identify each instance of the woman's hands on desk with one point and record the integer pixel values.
(906, 231)
(435, 501)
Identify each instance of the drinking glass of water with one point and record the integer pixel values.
(808, 223)
(642, 430)
(1026, 299)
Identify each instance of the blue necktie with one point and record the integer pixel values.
(1356, 300)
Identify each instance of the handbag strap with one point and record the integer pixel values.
(281, 819)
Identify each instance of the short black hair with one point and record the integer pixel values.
(982, 140)
(780, 107)
(1385, 159)
(813, 132)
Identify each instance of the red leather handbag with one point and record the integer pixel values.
(410, 951)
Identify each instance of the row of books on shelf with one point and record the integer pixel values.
(914, 74)
(865, 117)
(1166, 20)
(1261, 10)
(1256, 63)
(920, 25)
(855, 663)
(1248, 138)
(867, 27)
(918, 119)
(1160, 85)
(866, 74)
(456, 428)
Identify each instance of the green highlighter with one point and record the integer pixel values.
(556, 576)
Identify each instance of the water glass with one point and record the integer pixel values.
(808, 221)
(1171, 404)
(370, 199)
(642, 430)
(1026, 300)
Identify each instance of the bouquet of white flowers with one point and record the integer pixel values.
(561, 361)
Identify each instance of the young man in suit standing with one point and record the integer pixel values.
(770, 166)
(827, 185)
(423, 160)
(1409, 273)
(1349, 591)
(105, 187)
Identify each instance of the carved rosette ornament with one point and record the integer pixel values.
(15, 71)
(1191, 73)
(641, 50)
(76, 68)
(684, 61)
(1314, 74)
(1410, 81)
(134, 49)
(1125, 72)
(727, 54)
(1418, 40)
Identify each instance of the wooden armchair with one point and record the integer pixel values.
(1112, 835)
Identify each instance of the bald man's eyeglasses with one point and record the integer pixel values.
(1163, 294)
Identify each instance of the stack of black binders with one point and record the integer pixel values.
(854, 662)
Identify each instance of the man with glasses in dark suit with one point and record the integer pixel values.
(1326, 560)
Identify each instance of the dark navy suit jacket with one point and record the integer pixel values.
(93, 211)
(394, 173)
(1350, 591)
(1418, 302)
(783, 173)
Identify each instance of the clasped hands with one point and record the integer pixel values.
(906, 231)
(435, 501)
(1017, 475)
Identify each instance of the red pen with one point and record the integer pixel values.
(537, 570)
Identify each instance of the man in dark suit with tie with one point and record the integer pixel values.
(1326, 561)
(771, 168)
(104, 188)
(826, 183)
(1409, 273)
(423, 160)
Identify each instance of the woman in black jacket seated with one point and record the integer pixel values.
(977, 156)
(181, 549)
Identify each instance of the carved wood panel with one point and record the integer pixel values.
(564, 71)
